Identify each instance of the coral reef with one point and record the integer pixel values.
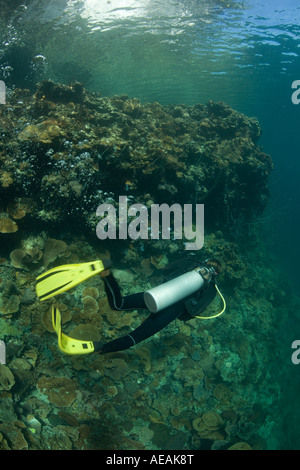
(69, 150)
(194, 385)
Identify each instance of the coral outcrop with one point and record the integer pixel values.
(69, 150)
(194, 385)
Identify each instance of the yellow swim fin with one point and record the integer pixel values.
(66, 344)
(62, 278)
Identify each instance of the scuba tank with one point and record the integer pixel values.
(173, 291)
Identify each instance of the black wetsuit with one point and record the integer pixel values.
(156, 321)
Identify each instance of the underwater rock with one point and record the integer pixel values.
(164, 440)
(24, 374)
(114, 367)
(145, 357)
(29, 297)
(23, 259)
(7, 380)
(17, 257)
(31, 356)
(19, 207)
(34, 424)
(3, 443)
(46, 320)
(19, 364)
(90, 292)
(240, 446)
(45, 132)
(209, 425)
(90, 307)
(6, 179)
(7, 225)
(159, 261)
(50, 91)
(111, 315)
(124, 276)
(53, 248)
(7, 411)
(61, 391)
(231, 368)
(68, 418)
(145, 268)
(76, 187)
(85, 331)
(40, 408)
(10, 305)
(222, 393)
(55, 438)
(112, 391)
(9, 300)
(13, 436)
(189, 375)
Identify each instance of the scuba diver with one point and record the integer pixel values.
(187, 292)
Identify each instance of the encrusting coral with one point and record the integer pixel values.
(240, 446)
(9, 298)
(53, 248)
(208, 426)
(61, 391)
(7, 225)
(23, 259)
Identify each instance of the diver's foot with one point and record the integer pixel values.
(105, 273)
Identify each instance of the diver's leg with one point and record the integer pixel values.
(154, 323)
(115, 298)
